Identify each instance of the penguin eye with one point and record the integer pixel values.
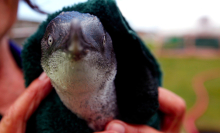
(50, 40)
(104, 41)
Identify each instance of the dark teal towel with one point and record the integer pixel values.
(137, 79)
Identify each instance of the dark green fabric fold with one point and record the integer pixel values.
(137, 79)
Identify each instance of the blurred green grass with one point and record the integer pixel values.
(178, 76)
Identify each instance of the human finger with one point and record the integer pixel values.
(117, 126)
(173, 108)
(15, 119)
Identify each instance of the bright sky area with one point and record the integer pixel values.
(150, 15)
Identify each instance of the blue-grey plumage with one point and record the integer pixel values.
(78, 56)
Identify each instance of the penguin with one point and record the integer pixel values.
(78, 57)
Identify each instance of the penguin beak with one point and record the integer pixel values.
(75, 46)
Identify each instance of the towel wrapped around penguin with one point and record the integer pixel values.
(137, 79)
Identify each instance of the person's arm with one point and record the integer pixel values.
(171, 105)
(14, 121)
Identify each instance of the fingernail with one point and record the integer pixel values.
(116, 127)
(43, 76)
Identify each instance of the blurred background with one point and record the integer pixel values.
(184, 36)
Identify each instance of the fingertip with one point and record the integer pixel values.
(170, 103)
(107, 132)
(43, 76)
(115, 126)
(182, 106)
(43, 84)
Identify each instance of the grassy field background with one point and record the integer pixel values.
(178, 77)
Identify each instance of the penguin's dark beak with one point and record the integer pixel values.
(76, 45)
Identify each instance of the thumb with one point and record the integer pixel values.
(15, 119)
(117, 126)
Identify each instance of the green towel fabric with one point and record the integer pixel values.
(136, 82)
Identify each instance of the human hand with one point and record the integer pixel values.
(171, 105)
(14, 121)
